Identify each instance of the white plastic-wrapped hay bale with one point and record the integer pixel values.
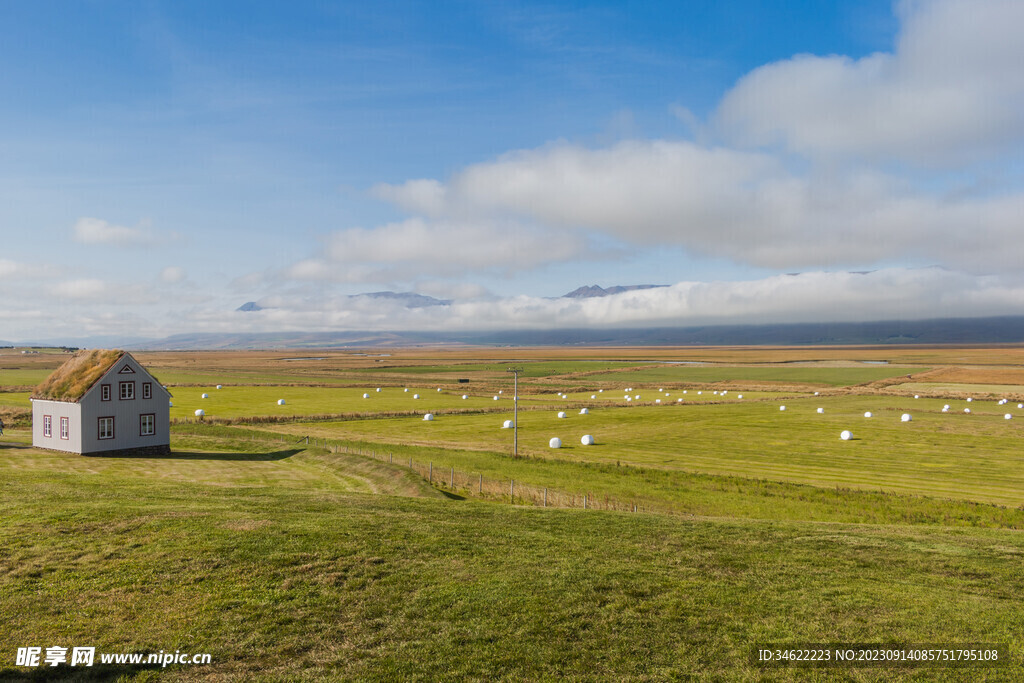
(366, 396)
(280, 401)
(429, 417)
(170, 404)
(782, 407)
(845, 435)
(679, 400)
(815, 393)
(657, 400)
(1020, 405)
(700, 393)
(584, 411)
(200, 412)
(378, 390)
(967, 410)
(508, 424)
(415, 396)
(205, 396)
(739, 396)
(501, 391)
(219, 386)
(406, 390)
(464, 397)
(593, 396)
(917, 396)
(906, 417)
(969, 399)
(945, 408)
(867, 414)
(600, 391)
(1007, 416)
(555, 442)
(495, 398)
(587, 440)
(561, 413)
(820, 411)
(439, 390)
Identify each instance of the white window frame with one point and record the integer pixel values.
(126, 391)
(65, 428)
(48, 426)
(150, 423)
(104, 392)
(147, 390)
(103, 434)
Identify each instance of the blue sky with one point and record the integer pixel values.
(162, 163)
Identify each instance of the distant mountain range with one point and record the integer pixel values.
(1001, 330)
(589, 291)
(410, 299)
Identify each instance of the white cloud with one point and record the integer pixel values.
(896, 293)
(416, 247)
(172, 274)
(744, 206)
(101, 292)
(14, 270)
(98, 231)
(951, 91)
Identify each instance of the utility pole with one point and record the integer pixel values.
(515, 410)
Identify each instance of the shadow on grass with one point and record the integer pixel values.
(199, 455)
(450, 495)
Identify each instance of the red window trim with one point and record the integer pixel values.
(152, 415)
(48, 426)
(120, 391)
(112, 432)
(65, 428)
(147, 390)
(105, 392)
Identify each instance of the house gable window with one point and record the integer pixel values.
(106, 428)
(147, 390)
(65, 428)
(126, 370)
(127, 391)
(147, 424)
(48, 426)
(104, 392)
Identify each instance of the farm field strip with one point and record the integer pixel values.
(971, 457)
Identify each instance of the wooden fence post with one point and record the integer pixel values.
(545, 496)
(430, 473)
(584, 501)
(452, 482)
(481, 484)
(512, 490)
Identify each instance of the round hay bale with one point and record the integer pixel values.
(561, 413)
(171, 403)
(220, 386)
(593, 396)
(679, 400)
(280, 401)
(415, 396)
(464, 397)
(906, 417)
(969, 399)
(684, 391)
(820, 411)
(739, 396)
(867, 414)
(587, 440)
(495, 398)
(200, 412)
(782, 407)
(657, 400)
(917, 396)
(600, 391)
(507, 424)
(205, 396)
(378, 390)
(429, 417)
(1007, 416)
(967, 410)
(584, 411)
(439, 390)
(845, 435)
(501, 391)
(555, 442)
(366, 396)
(406, 390)
(815, 393)
(1020, 405)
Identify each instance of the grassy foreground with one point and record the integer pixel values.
(282, 566)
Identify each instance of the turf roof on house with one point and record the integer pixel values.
(72, 380)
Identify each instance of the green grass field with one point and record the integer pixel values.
(288, 561)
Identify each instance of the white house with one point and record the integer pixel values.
(102, 402)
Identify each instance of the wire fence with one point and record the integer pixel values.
(448, 478)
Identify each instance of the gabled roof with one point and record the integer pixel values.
(71, 381)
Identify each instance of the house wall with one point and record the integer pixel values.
(57, 410)
(126, 413)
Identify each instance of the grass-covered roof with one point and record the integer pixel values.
(70, 381)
